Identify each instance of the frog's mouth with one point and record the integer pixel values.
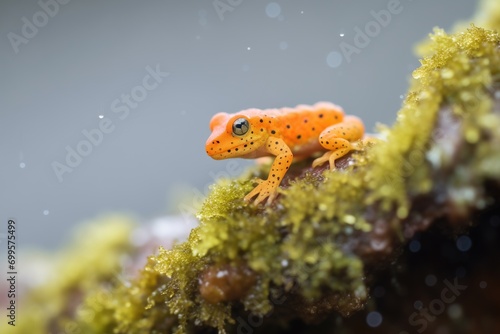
(214, 151)
(214, 146)
(218, 151)
(246, 150)
(234, 147)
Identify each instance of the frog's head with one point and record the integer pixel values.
(235, 135)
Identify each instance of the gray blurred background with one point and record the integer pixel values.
(69, 69)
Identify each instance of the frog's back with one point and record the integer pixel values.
(299, 127)
(303, 124)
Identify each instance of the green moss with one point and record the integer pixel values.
(132, 307)
(91, 258)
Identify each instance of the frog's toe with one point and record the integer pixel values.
(271, 197)
(251, 195)
(321, 160)
(332, 161)
(263, 194)
(259, 191)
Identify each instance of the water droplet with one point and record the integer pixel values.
(418, 305)
(414, 246)
(430, 280)
(301, 12)
(374, 319)
(483, 285)
(283, 45)
(273, 10)
(249, 48)
(284, 263)
(416, 74)
(101, 116)
(464, 243)
(401, 96)
(342, 34)
(334, 59)
(46, 212)
(22, 165)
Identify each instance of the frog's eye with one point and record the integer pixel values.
(240, 126)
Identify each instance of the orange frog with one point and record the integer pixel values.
(284, 133)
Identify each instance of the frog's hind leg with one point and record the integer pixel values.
(337, 140)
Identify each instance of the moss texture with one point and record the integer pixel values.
(91, 260)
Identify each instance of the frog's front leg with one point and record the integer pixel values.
(268, 188)
(337, 140)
